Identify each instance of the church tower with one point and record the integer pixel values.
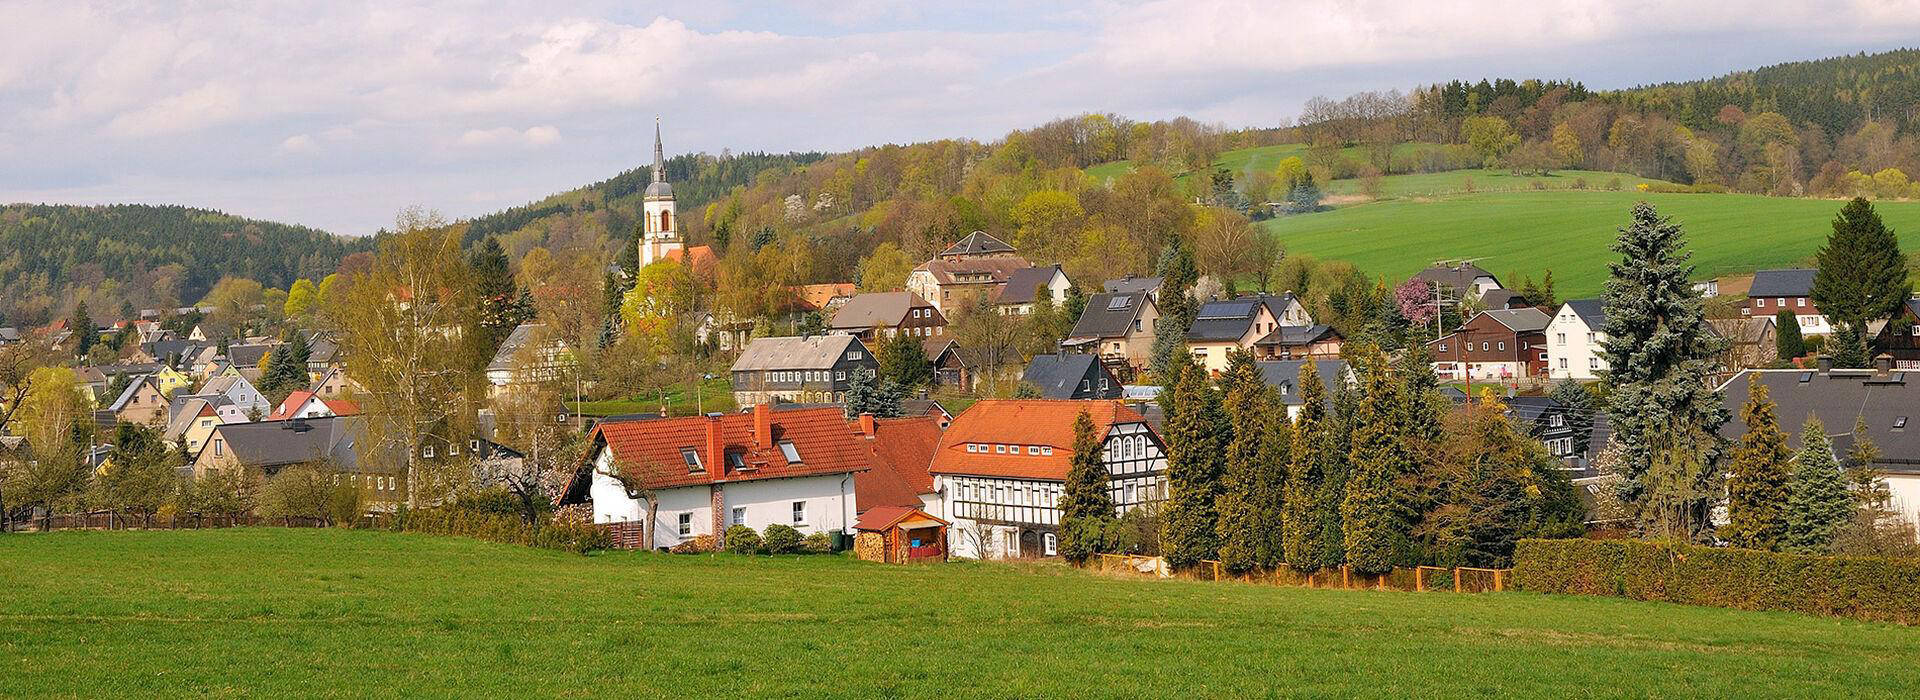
(659, 238)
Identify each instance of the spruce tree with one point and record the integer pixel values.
(1847, 346)
(1374, 515)
(1787, 341)
(1665, 413)
(1177, 311)
(1861, 277)
(1086, 506)
(903, 360)
(1307, 549)
(1862, 478)
(1580, 409)
(1819, 503)
(1196, 433)
(1757, 480)
(495, 292)
(1252, 490)
(84, 334)
(286, 367)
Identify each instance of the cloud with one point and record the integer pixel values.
(298, 143)
(504, 136)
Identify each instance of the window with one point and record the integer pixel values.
(1128, 498)
(1503, 345)
(855, 355)
(206, 422)
(739, 515)
(999, 494)
(692, 458)
(474, 445)
(1593, 363)
(1802, 301)
(1443, 347)
(1033, 449)
(426, 452)
(1085, 385)
(736, 460)
(971, 447)
(1000, 449)
(840, 375)
(453, 449)
(1483, 345)
(1557, 420)
(1563, 363)
(1559, 339)
(1900, 423)
(1046, 450)
(792, 453)
(1052, 543)
(1593, 337)
(686, 524)
(1780, 301)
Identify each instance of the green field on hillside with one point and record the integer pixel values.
(1257, 158)
(1569, 232)
(1460, 181)
(344, 613)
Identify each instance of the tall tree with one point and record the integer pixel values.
(1665, 413)
(1307, 500)
(903, 361)
(1177, 310)
(1498, 485)
(286, 367)
(867, 393)
(144, 472)
(84, 332)
(1862, 277)
(1374, 515)
(1819, 503)
(1758, 477)
(1581, 407)
(1252, 502)
(1086, 506)
(1787, 341)
(1196, 435)
(494, 291)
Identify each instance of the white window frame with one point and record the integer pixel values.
(686, 524)
(739, 515)
(799, 512)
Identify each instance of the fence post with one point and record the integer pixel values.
(1346, 577)
(1419, 580)
(1499, 581)
(1456, 579)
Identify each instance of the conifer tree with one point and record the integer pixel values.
(286, 367)
(1086, 506)
(1787, 341)
(1307, 548)
(1374, 514)
(1757, 480)
(1862, 277)
(1868, 488)
(1665, 413)
(496, 293)
(1252, 491)
(903, 360)
(1819, 503)
(1196, 432)
(1580, 410)
(1177, 310)
(1847, 346)
(84, 334)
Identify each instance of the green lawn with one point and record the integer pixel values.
(337, 613)
(1495, 180)
(1569, 231)
(682, 400)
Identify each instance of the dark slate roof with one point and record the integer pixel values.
(1781, 283)
(1287, 336)
(1521, 320)
(1503, 299)
(1837, 398)
(284, 442)
(249, 355)
(1284, 374)
(9, 334)
(1109, 315)
(163, 349)
(1021, 284)
(795, 352)
(1590, 311)
(1225, 319)
(1058, 376)
(1456, 278)
(1133, 284)
(977, 243)
(1277, 304)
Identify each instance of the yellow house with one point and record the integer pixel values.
(170, 380)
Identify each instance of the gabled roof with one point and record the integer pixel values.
(883, 518)
(1591, 312)
(996, 270)
(650, 450)
(1454, 277)
(1230, 319)
(521, 335)
(1022, 283)
(977, 243)
(1782, 283)
(1527, 320)
(1219, 329)
(1285, 376)
(879, 310)
(1277, 304)
(1291, 336)
(1058, 375)
(1133, 284)
(133, 387)
(816, 296)
(184, 414)
(249, 355)
(1503, 299)
(795, 352)
(1110, 315)
(900, 450)
(1022, 422)
(703, 258)
(281, 443)
(291, 405)
(1838, 398)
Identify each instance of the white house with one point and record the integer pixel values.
(1574, 337)
(689, 478)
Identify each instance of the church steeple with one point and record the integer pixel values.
(659, 154)
(658, 238)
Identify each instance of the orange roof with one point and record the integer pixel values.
(341, 407)
(1021, 423)
(292, 403)
(704, 260)
(650, 449)
(816, 296)
(901, 449)
(885, 517)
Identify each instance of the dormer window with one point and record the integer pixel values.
(736, 460)
(1900, 423)
(426, 452)
(692, 458)
(790, 452)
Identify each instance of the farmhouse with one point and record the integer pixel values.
(800, 369)
(690, 478)
(971, 270)
(876, 316)
(1225, 325)
(1502, 344)
(1574, 339)
(1774, 291)
(1117, 326)
(1002, 464)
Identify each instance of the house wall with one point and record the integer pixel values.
(1212, 356)
(1000, 509)
(829, 503)
(1573, 349)
(1812, 322)
(1906, 495)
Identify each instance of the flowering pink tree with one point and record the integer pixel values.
(1414, 300)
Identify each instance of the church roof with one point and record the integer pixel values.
(659, 187)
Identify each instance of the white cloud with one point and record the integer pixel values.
(506, 136)
(298, 143)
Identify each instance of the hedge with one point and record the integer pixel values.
(565, 536)
(1866, 588)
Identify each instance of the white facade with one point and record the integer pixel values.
(659, 225)
(1906, 495)
(1057, 287)
(809, 504)
(1020, 517)
(922, 282)
(1573, 348)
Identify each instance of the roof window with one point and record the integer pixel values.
(692, 458)
(792, 453)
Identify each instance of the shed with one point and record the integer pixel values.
(899, 534)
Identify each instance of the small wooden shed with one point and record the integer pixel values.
(898, 534)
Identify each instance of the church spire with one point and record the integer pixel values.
(659, 154)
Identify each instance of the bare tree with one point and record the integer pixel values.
(17, 362)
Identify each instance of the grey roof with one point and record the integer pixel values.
(1058, 375)
(1502, 299)
(1297, 335)
(795, 352)
(1782, 283)
(1590, 311)
(1229, 319)
(9, 334)
(163, 349)
(285, 442)
(129, 368)
(1277, 304)
(1521, 320)
(977, 243)
(1454, 277)
(249, 355)
(877, 309)
(1133, 284)
(1285, 374)
(503, 358)
(1021, 284)
(321, 348)
(1109, 315)
(127, 393)
(184, 413)
(1837, 398)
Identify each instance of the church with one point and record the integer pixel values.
(659, 239)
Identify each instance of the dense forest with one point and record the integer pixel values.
(128, 256)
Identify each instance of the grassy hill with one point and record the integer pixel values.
(1569, 232)
(277, 612)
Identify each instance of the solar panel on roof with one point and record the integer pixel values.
(1228, 309)
(1119, 302)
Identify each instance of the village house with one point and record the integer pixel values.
(1284, 377)
(529, 355)
(245, 399)
(1549, 421)
(876, 316)
(1131, 284)
(1071, 376)
(193, 420)
(1501, 344)
(800, 369)
(305, 404)
(1225, 325)
(1775, 290)
(1002, 465)
(1887, 398)
(141, 403)
(1574, 341)
(967, 272)
(334, 384)
(900, 449)
(1459, 280)
(1118, 327)
(689, 478)
(1901, 337)
(826, 297)
(952, 366)
(1750, 341)
(263, 449)
(1023, 288)
(1299, 342)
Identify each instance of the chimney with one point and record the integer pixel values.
(1882, 365)
(763, 426)
(1824, 362)
(866, 424)
(716, 454)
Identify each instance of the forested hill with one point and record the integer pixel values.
(1834, 93)
(145, 256)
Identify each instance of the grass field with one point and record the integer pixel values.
(1457, 181)
(337, 613)
(1569, 231)
(682, 400)
(1245, 160)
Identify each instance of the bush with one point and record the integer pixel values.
(782, 539)
(700, 544)
(1539, 184)
(743, 540)
(1579, 183)
(818, 543)
(1866, 588)
(1614, 184)
(510, 529)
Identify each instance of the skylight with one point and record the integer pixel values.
(1119, 302)
(792, 453)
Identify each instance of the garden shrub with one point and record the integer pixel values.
(1867, 588)
(743, 540)
(818, 543)
(782, 539)
(509, 529)
(700, 544)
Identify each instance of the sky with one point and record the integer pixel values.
(339, 114)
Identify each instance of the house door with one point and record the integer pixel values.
(1029, 543)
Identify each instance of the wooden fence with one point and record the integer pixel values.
(1461, 579)
(114, 520)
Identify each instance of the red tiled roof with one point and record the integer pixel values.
(816, 296)
(292, 403)
(650, 449)
(703, 258)
(342, 407)
(883, 517)
(901, 449)
(1022, 422)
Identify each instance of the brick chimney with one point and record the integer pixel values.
(715, 455)
(763, 426)
(866, 424)
(1882, 364)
